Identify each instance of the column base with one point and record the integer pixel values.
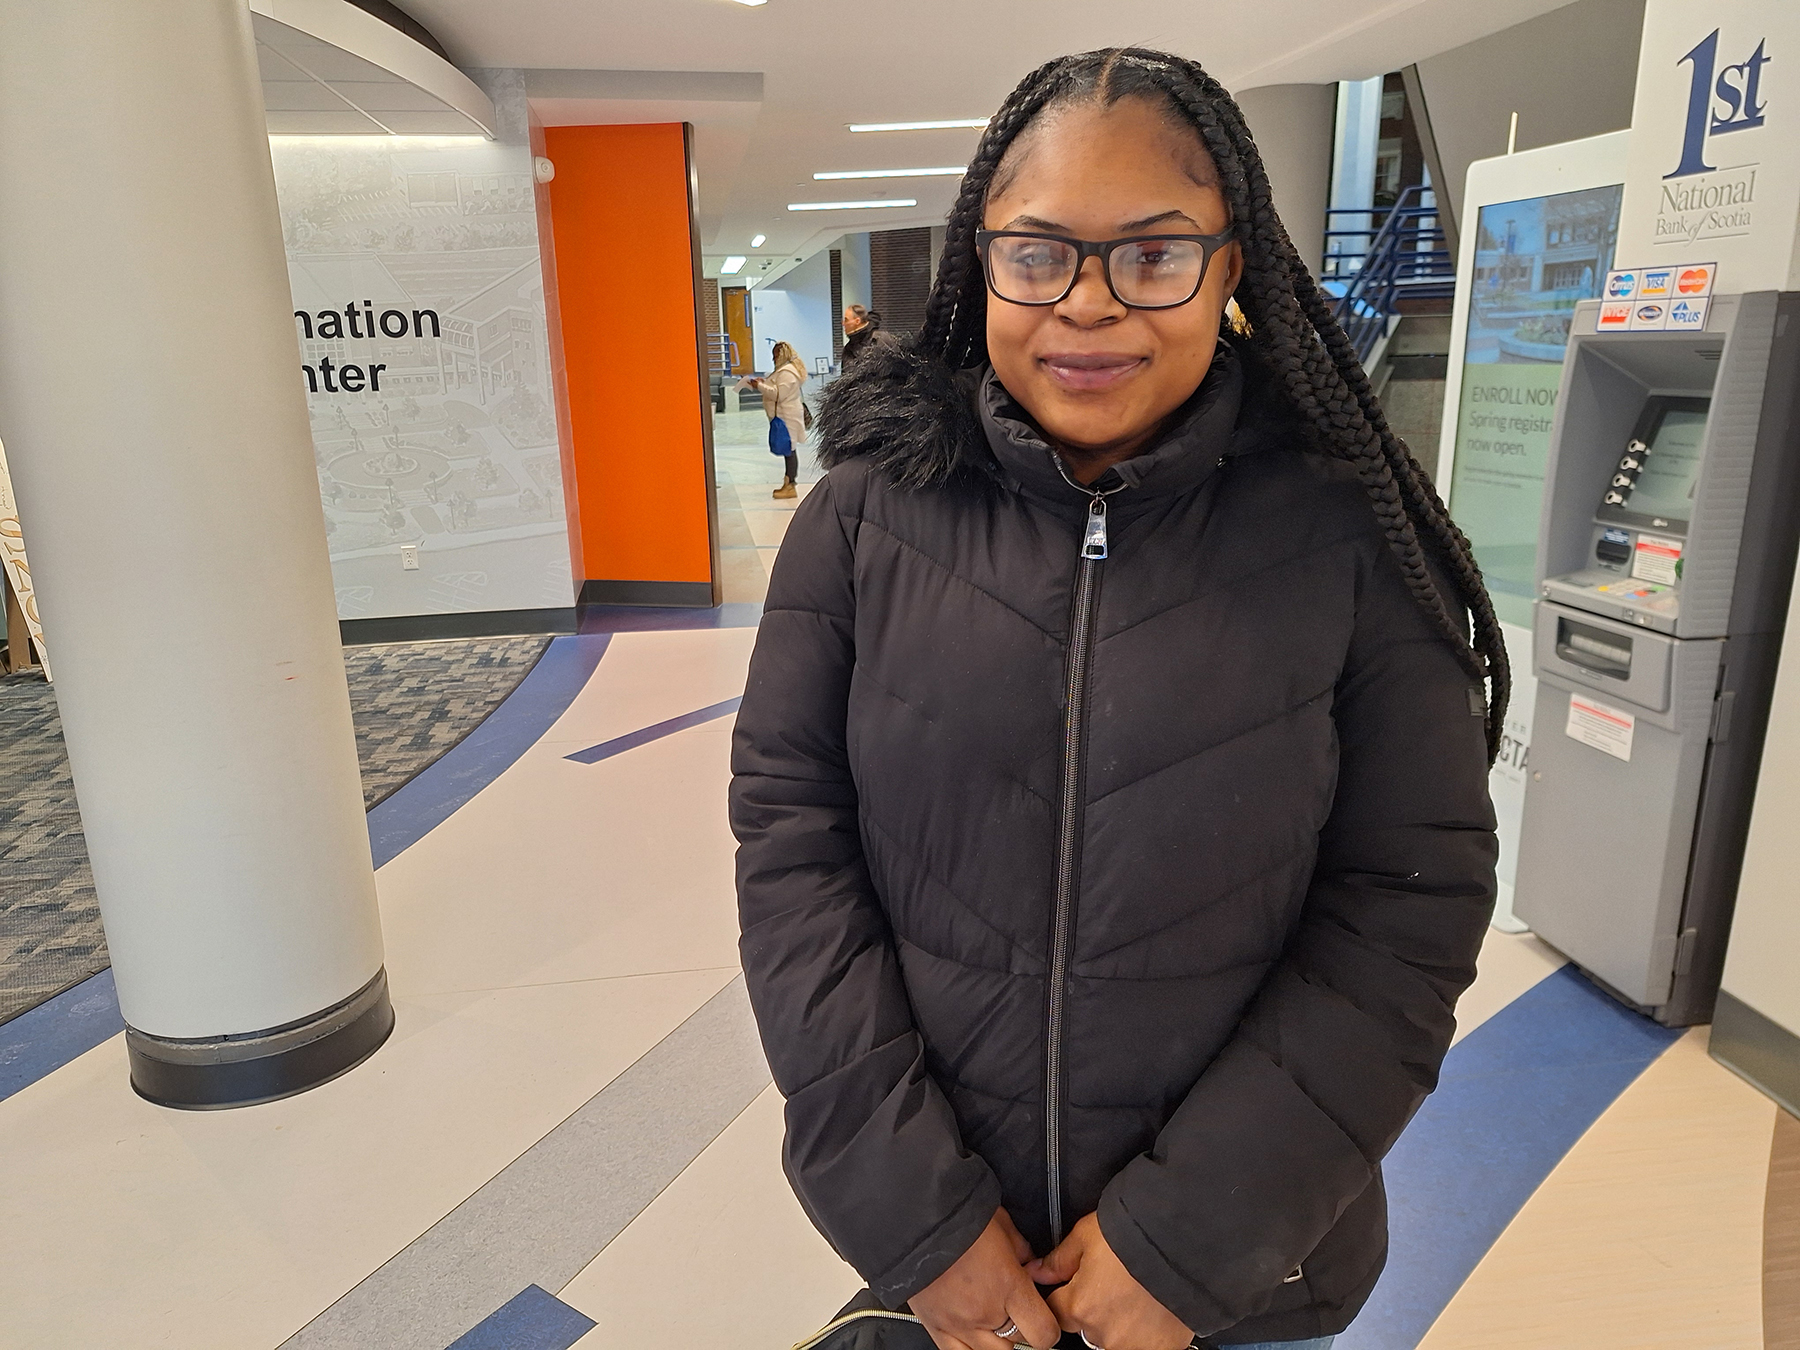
(217, 1073)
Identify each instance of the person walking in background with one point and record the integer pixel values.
(782, 402)
(862, 330)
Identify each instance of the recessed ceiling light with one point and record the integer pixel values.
(849, 206)
(753, 2)
(731, 265)
(951, 171)
(758, 241)
(920, 126)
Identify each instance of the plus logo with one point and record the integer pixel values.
(1719, 101)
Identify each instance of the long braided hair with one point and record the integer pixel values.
(1289, 319)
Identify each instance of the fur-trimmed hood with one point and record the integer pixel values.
(920, 422)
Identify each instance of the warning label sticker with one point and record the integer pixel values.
(1601, 725)
(1656, 559)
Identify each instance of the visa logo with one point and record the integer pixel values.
(1656, 283)
(1731, 102)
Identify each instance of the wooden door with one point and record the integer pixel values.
(742, 351)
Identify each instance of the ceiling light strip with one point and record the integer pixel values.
(850, 206)
(949, 171)
(953, 125)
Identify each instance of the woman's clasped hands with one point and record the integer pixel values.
(993, 1289)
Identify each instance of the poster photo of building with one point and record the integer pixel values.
(419, 308)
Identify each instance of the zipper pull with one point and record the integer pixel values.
(1093, 540)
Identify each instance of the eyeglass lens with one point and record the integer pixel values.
(1146, 272)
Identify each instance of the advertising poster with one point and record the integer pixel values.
(1534, 259)
(419, 306)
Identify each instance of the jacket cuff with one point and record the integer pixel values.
(1198, 1310)
(941, 1248)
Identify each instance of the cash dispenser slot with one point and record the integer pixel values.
(1619, 662)
(1582, 644)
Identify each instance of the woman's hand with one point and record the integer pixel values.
(985, 1289)
(1101, 1299)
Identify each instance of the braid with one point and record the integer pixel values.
(1290, 319)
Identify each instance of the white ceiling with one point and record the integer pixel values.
(826, 63)
(329, 69)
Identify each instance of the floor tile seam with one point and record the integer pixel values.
(474, 1199)
(557, 984)
(663, 1190)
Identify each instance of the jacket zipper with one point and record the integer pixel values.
(1068, 855)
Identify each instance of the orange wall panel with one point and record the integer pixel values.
(625, 283)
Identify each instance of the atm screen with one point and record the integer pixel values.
(1657, 475)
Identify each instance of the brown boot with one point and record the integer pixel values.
(785, 491)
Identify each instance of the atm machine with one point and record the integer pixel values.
(1666, 553)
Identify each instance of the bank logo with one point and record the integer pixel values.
(1720, 101)
(1621, 285)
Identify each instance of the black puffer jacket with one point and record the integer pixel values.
(1150, 880)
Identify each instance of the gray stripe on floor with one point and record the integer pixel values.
(557, 1206)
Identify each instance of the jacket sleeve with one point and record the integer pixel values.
(1343, 1041)
(872, 1148)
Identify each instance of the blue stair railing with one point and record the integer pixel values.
(1378, 257)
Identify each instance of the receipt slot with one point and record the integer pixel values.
(1666, 553)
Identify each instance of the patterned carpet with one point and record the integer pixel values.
(411, 702)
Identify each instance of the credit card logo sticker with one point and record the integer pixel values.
(1649, 313)
(1694, 280)
(1688, 314)
(1621, 285)
(1656, 282)
(1616, 314)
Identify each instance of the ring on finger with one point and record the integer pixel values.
(1009, 1331)
(1089, 1344)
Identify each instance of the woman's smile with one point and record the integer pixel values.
(1086, 371)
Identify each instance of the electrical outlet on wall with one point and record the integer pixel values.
(409, 557)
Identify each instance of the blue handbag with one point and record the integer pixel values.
(781, 440)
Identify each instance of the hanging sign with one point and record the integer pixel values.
(1713, 170)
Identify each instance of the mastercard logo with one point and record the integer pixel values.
(1693, 280)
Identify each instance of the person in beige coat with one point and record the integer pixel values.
(781, 396)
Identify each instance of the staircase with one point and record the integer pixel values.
(1408, 376)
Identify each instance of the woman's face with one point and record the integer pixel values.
(1099, 378)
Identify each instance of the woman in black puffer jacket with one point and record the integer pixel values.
(1111, 777)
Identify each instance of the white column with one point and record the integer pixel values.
(151, 405)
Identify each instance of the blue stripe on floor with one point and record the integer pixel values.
(47, 1037)
(430, 799)
(632, 740)
(530, 1320)
(1515, 1096)
(37, 1043)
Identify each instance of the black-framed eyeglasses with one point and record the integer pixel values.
(1152, 271)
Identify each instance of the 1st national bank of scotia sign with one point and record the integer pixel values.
(1714, 166)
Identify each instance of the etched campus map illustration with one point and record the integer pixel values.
(419, 307)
